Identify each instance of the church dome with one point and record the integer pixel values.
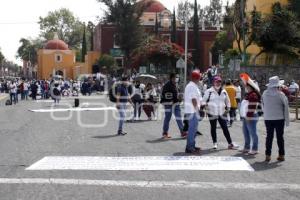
(56, 44)
(153, 6)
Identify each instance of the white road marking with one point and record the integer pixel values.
(2, 97)
(72, 109)
(152, 184)
(143, 163)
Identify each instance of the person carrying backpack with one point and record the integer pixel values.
(218, 105)
(122, 98)
(56, 93)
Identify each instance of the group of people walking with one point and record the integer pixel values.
(219, 103)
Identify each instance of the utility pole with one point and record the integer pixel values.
(186, 43)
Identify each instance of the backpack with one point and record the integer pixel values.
(56, 92)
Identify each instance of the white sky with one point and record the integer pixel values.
(18, 18)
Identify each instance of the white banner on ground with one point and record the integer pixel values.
(143, 163)
(72, 109)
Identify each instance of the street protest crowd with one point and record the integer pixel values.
(216, 99)
(206, 95)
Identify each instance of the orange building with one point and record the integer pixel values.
(57, 59)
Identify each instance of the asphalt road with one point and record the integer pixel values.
(27, 137)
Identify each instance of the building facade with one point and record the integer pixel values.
(105, 34)
(57, 59)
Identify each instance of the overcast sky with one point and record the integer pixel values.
(18, 18)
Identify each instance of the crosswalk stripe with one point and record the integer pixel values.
(153, 184)
(142, 163)
(72, 109)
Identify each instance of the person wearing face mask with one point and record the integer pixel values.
(218, 104)
(250, 112)
(171, 102)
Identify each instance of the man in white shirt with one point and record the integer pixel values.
(13, 92)
(192, 103)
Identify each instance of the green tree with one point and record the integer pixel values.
(197, 53)
(213, 13)
(65, 24)
(294, 5)
(90, 34)
(174, 28)
(222, 43)
(28, 49)
(125, 14)
(244, 26)
(278, 33)
(108, 62)
(83, 45)
(1, 57)
(181, 7)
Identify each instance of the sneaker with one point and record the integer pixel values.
(268, 159)
(184, 134)
(252, 153)
(122, 133)
(166, 136)
(193, 151)
(281, 158)
(233, 146)
(215, 146)
(244, 151)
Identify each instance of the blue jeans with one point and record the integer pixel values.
(13, 98)
(250, 134)
(169, 109)
(122, 111)
(193, 125)
(137, 109)
(25, 93)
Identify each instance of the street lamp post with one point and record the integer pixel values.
(186, 43)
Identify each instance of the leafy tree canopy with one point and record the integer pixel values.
(65, 24)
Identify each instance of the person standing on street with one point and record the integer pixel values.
(171, 101)
(137, 99)
(192, 103)
(230, 89)
(25, 90)
(13, 92)
(122, 98)
(34, 89)
(276, 114)
(218, 104)
(238, 97)
(250, 109)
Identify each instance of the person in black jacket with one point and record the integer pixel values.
(34, 90)
(171, 100)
